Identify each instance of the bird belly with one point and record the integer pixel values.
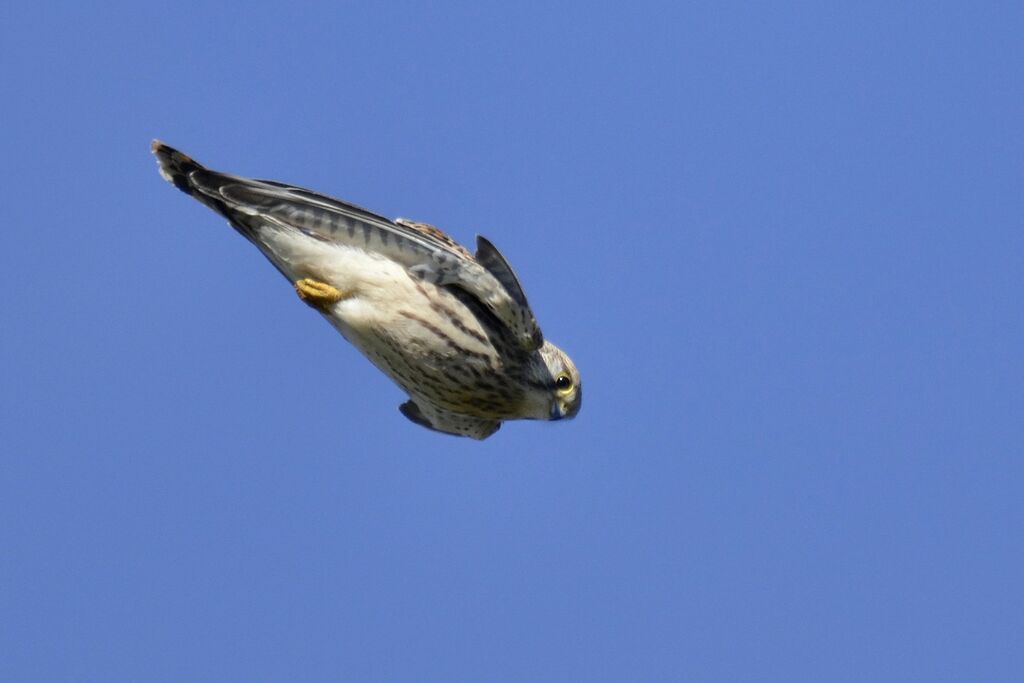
(438, 353)
(420, 335)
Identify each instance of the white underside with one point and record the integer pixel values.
(376, 292)
(371, 284)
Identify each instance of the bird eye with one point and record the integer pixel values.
(563, 383)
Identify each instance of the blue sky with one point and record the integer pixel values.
(783, 243)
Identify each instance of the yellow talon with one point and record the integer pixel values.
(317, 294)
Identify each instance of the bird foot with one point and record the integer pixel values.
(317, 294)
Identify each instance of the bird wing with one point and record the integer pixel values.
(426, 252)
(438, 419)
(488, 256)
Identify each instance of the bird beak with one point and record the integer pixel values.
(562, 408)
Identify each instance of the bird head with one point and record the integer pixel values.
(555, 389)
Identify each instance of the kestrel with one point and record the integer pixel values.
(453, 330)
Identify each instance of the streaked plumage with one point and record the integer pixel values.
(454, 331)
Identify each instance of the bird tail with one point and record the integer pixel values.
(175, 166)
(200, 183)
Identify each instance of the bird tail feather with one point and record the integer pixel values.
(175, 166)
(199, 182)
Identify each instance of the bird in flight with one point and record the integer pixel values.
(452, 329)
